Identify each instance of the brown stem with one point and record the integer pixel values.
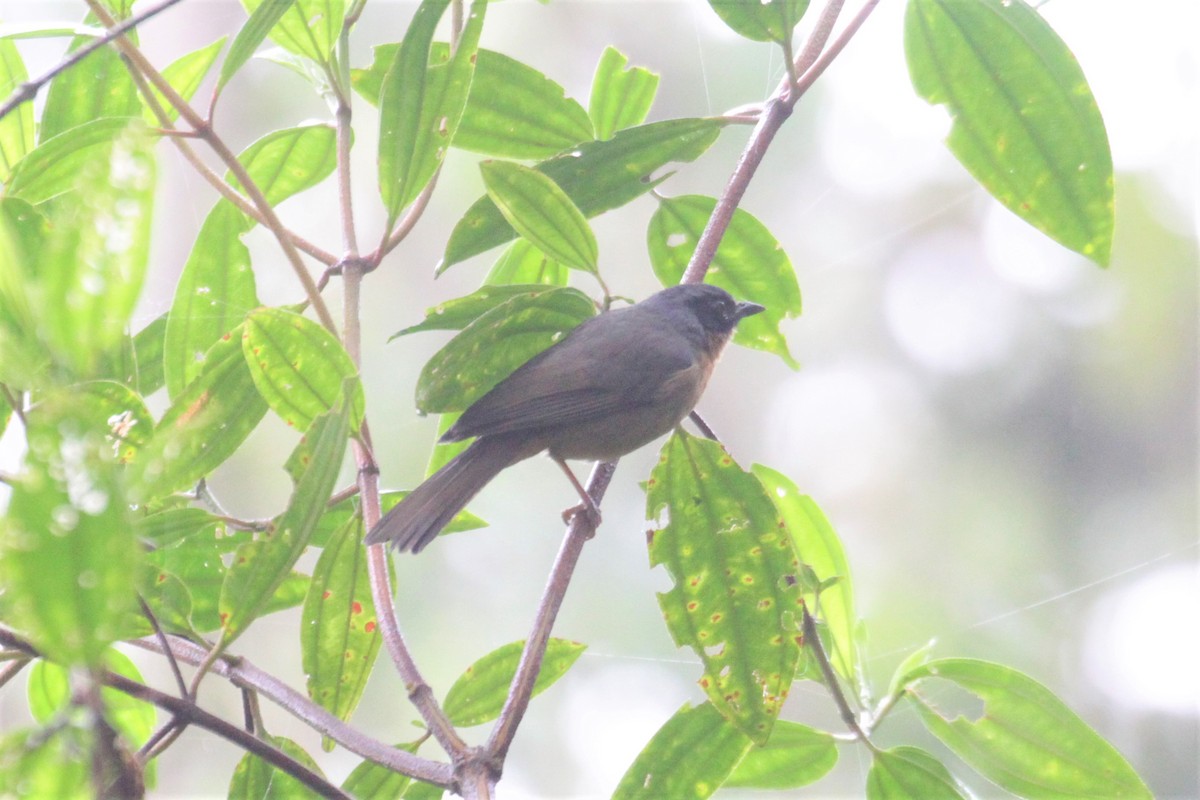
(187, 710)
(521, 689)
(245, 675)
(813, 641)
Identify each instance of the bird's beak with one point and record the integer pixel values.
(748, 310)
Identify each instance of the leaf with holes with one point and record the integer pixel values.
(621, 97)
(1025, 740)
(736, 596)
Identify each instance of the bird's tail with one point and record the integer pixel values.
(419, 518)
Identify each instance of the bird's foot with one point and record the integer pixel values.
(589, 511)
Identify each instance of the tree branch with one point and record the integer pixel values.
(29, 89)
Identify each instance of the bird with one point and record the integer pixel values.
(614, 383)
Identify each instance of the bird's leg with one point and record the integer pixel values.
(588, 506)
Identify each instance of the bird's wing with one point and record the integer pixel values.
(610, 368)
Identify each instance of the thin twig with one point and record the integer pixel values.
(245, 675)
(29, 89)
(521, 688)
(815, 70)
(176, 673)
(812, 640)
(188, 710)
(12, 669)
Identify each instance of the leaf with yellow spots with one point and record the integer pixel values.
(339, 636)
(300, 368)
(736, 594)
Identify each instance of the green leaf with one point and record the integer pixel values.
(421, 104)
(216, 288)
(262, 19)
(542, 213)
(288, 161)
(46, 764)
(750, 263)
(735, 599)
(16, 129)
(195, 562)
(53, 167)
(49, 692)
(1026, 125)
(401, 103)
(309, 28)
(48, 30)
(794, 756)
(376, 781)
(479, 693)
(69, 552)
(762, 20)
(148, 356)
(458, 313)
(23, 359)
(621, 98)
(98, 87)
(512, 111)
(206, 424)
(255, 778)
(1025, 740)
(909, 773)
(260, 567)
(510, 334)
(166, 528)
(597, 176)
(93, 264)
(524, 263)
(184, 74)
(689, 757)
(214, 293)
(110, 411)
(818, 546)
(299, 367)
(339, 635)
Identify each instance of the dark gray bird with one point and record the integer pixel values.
(613, 384)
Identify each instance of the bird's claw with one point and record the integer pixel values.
(590, 513)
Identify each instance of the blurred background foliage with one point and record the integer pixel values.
(1004, 435)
